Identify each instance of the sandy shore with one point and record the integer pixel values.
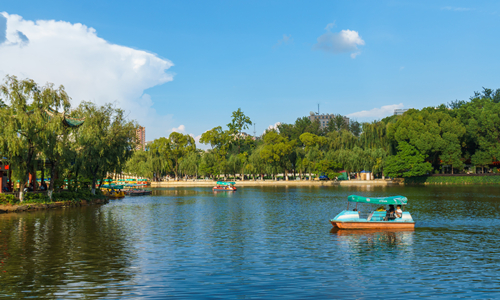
(195, 183)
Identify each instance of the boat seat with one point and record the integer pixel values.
(377, 216)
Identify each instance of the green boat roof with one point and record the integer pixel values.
(395, 200)
(117, 187)
(225, 183)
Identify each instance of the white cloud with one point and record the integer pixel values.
(89, 67)
(345, 41)
(330, 25)
(376, 113)
(284, 41)
(181, 129)
(273, 127)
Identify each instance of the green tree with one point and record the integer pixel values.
(432, 132)
(23, 121)
(219, 140)
(481, 159)
(180, 146)
(256, 164)
(340, 123)
(105, 141)
(159, 157)
(140, 163)
(208, 164)
(276, 150)
(189, 164)
(56, 148)
(355, 128)
(408, 162)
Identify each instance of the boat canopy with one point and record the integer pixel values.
(225, 183)
(111, 186)
(395, 200)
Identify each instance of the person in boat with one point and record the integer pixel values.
(399, 212)
(389, 215)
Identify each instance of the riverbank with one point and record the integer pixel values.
(22, 207)
(211, 183)
(460, 179)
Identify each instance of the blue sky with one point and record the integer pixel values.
(201, 60)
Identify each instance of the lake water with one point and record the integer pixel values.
(259, 242)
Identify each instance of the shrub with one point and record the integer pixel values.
(36, 198)
(8, 199)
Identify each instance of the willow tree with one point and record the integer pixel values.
(255, 163)
(159, 157)
(139, 164)
(56, 148)
(105, 141)
(190, 163)
(23, 120)
(180, 146)
(374, 135)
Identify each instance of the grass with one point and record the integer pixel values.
(42, 198)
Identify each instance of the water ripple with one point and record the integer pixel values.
(256, 243)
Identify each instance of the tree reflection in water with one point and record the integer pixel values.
(63, 253)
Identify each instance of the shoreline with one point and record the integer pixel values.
(205, 183)
(15, 208)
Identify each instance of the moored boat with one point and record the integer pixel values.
(113, 191)
(223, 186)
(376, 219)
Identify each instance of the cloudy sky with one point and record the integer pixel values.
(186, 65)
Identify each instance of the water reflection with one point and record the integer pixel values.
(64, 253)
(259, 242)
(360, 240)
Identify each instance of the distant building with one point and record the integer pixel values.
(400, 111)
(324, 119)
(141, 137)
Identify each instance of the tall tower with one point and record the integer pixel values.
(141, 137)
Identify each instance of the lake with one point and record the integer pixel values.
(258, 242)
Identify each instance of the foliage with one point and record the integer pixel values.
(407, 162)
(7, 199)
(36, 130)
(37, 198)
(105, 141)
(180, 145)
(277, 150)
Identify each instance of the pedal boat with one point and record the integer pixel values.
(113, 192)
(353, 219)
(223, 186)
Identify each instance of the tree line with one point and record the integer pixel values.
(446, 138)
(75, 147)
